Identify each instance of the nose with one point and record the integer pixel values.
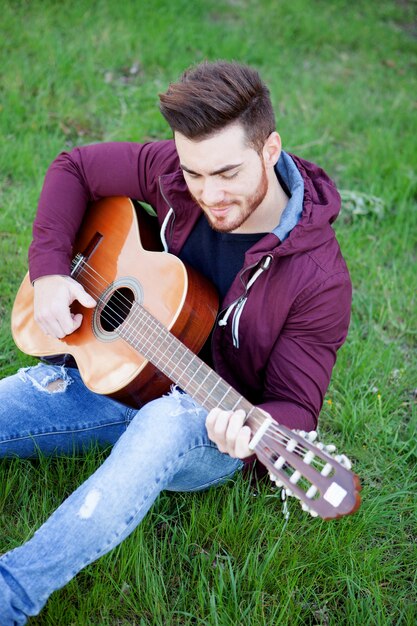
(211, 192)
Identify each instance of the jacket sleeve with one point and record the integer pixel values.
(300, 366)
(84, 175)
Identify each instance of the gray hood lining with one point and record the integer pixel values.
(290, 217)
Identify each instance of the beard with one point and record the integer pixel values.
(245, 208)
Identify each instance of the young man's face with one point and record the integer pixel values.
(225, 177)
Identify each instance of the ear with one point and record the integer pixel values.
(272, 149)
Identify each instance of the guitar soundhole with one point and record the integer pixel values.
(116, 309)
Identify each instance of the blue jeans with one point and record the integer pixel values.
(164, 445)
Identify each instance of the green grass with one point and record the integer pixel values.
(344, 83)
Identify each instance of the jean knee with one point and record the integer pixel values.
(175, 415)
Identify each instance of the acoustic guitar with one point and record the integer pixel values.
(152, 316)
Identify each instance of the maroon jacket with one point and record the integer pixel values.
(279, 343)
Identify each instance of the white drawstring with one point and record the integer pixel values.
(164, 227)
(240, 302)
(223, 321)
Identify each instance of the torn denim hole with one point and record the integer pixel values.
(89, 505)
(186, 404)
(46, 378)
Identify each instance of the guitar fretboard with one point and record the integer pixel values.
(153, 341)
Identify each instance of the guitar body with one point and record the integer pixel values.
(124, 264)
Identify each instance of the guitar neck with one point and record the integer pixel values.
(149, 337)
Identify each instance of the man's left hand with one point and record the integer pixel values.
(226, 430)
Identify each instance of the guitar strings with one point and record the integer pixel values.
(97, 284)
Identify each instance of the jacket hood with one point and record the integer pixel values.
(313, 206)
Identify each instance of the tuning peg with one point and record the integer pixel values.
(310, 436)
(307, 509)
(343, 460)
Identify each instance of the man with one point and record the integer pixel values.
(254, 220)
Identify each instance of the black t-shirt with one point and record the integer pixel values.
(218, 256)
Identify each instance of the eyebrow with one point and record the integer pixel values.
(221, 170)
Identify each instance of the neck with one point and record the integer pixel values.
(268, 214)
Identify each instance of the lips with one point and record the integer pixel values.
(219, 211)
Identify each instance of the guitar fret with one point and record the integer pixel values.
(204, 388)
(162, 349)
(220, 391)
(185, 360)
(221, 401)
(213, 388)
(145, 323)
(190, 380)
(177, 346)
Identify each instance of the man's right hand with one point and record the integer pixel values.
(53, 296)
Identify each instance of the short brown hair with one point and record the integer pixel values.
(212, 95)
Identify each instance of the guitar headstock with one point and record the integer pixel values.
(308, 470)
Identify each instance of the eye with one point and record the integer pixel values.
(190, 174)
(230, 176)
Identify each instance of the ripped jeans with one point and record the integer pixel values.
(164, 445)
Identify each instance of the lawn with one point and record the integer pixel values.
(343, 78)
